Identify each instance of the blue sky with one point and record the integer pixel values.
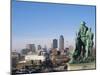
(39, 23)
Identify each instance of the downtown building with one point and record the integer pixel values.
(31, 47)
(15, 57)
(39, 47)
(55, 43)
(61, 43)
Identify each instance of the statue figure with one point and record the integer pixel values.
(82, 34)
(77, 52)
(89, 43)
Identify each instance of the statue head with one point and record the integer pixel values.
(83, 23)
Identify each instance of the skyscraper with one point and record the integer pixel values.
(55, 43)
(61, 43)
(31, 47)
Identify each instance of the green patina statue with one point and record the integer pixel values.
(84, 44)
(89, 43)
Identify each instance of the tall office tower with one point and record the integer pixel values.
(61, 43)
(55, 43)
(31, 47)
(39, 47)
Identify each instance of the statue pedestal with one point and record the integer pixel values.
(82, 66)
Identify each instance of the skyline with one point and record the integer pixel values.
(30, 21)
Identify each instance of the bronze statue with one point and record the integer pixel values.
(84, 44)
